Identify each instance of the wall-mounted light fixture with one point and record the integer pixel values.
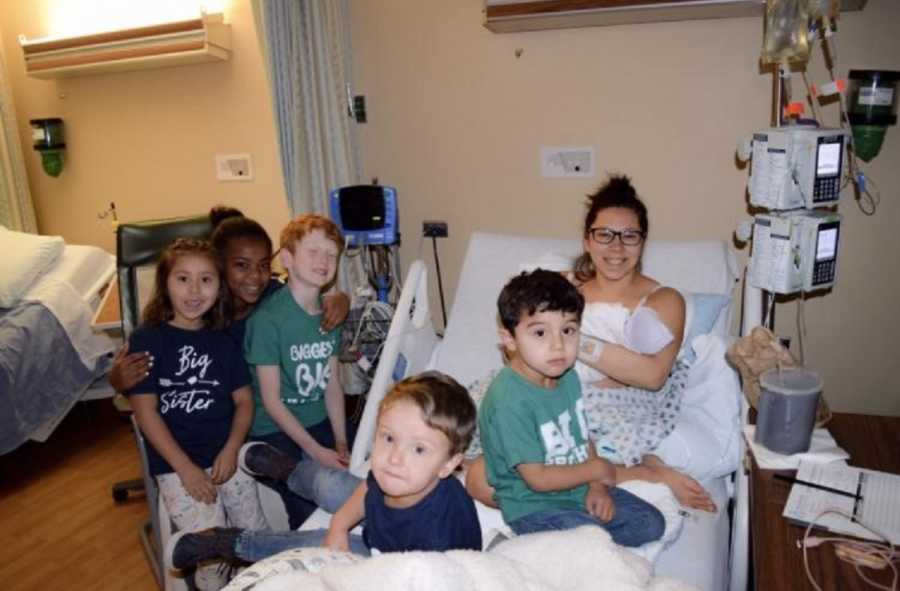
(203, 39)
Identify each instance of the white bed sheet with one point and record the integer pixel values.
(69, 290)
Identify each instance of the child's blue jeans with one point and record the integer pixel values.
(635, 523)
(302, 495)
(256, 545)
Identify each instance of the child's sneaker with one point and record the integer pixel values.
(186, 548)
(261, 459)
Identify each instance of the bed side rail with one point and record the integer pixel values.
(406, 351)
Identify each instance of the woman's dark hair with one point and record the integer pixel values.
(617, 191)
(159, 308)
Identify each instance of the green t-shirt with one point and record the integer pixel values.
(280, 332)
(521, 423)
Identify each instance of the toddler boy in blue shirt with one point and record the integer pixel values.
(410, 500)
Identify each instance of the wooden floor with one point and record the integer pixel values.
(59, 527)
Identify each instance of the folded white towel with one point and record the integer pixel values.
(823, 449)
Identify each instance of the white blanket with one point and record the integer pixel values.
(573, 560)
(67, 289)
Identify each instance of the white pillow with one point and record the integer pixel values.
(705, 441)
(26, 257)
(702, 312)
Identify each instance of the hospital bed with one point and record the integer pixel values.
(711, 550)
(50, 356)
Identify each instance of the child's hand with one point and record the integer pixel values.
(598, 502)
(128, 370)
(337, 539)
(343, 452)
(198, 484)
(224, 466)
(329, 458)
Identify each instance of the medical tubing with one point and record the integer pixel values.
(886, 550)
(829, 48)
(801, 324)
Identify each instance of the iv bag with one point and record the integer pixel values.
(787, 31)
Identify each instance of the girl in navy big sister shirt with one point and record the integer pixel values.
(195, 405)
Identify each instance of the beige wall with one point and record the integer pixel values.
(456, 121)
(147, 139)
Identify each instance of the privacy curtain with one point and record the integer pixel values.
(306, 47)
(16, 209)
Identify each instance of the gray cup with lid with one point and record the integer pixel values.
(788, 400)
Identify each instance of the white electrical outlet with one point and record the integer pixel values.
(234, 167)
(567, 161)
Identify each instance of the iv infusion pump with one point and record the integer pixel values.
(794, 251)
(796, 167)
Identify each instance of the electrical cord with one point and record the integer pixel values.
(437, 267)
(860, 554)
(801, 325)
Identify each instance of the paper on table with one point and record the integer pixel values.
(877, 505)
(823, 449)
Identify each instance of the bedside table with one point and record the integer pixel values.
(872, 442)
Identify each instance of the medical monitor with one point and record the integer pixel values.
(366, 214)
(796, 167)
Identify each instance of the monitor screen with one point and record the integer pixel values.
(362, 208)
(828, 162)
(826, 244)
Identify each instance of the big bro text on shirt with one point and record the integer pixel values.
(312, 371)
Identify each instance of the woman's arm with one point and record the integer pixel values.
(687, 490)
(646, 371)
(270, 392)
(477, 485)
(196, 482)
(334, 405)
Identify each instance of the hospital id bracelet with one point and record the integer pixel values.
(590, 349)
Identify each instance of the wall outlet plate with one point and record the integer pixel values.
(567, 161)
(434, 229)
(234, 167)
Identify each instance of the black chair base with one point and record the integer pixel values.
(121, 489)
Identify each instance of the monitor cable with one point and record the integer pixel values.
(437, 268)
(874, 555)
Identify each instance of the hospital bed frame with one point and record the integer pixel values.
(412, 346)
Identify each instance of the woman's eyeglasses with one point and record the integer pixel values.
(626, 237)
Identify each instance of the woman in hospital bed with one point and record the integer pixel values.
(632, 328)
